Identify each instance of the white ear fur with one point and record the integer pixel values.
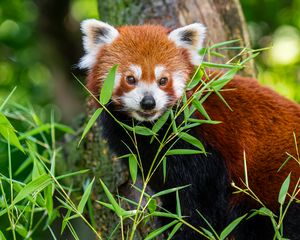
(96, 35)
(190, 37)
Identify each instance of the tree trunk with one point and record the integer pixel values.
(224, 21)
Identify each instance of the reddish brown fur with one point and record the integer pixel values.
(146, 46)
(261, 124)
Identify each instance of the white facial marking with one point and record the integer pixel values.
(137, 70)
(131, 100)
(179, 82)
(158, 70)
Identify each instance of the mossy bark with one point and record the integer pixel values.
(224, 21)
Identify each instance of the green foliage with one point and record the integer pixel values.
(276, 24)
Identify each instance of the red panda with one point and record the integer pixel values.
(154, 65)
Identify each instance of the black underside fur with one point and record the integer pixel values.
(209, 189)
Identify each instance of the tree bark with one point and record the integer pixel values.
(224, 21)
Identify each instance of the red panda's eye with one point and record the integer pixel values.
(163, 81)
(131, 80)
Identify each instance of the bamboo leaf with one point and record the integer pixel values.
(160, 230)
(143, 131)
(175, 229)
(90, 123)
(164, 163)
(167, 191)
(8, 132)
(200, 108)
(108, 86)
(160, 122)
(284, 189)
(231, 227)
(36, 186)
(183, 152)
(85, 197)
(152, 205)
(192, 140)
(133, 167)
(118, 210)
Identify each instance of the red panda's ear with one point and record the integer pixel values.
(190, 37)
(95, 35)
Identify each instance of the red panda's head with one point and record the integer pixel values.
(154, 64)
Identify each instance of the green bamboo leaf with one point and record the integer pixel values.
(21, 230)
(107, 205)
(44, 128)
(178, 207)
(221, 44)
(143, 131)
(90, 123)
(160, 230)
(231, 227)
(183, 152)
(3, 104)
(36, 185)
(196, 103)
(49, 199)
(203, 121)
(118, 210)
(108, 86)
(167, 191)
(2, 237)
(224, 79)
(195, 81)
(160, 122)
(8, 132)
(152, 205)
(174, 127)
(85, 197)
(65, 221)
(164, 163)
(164, 214)
(192, 140)
(133, 167)
(218, 65)
(175, 229)
(284, 189)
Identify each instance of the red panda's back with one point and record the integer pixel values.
(262, 124)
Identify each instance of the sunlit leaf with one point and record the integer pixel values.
(108, 86)
(227, 230)
(160, 230)
(118, 210)
(192, 140)
(36, 185)
(174, 230)
(152, 205)
(183, 152)
(284, 189)
(160, 122)
(90, 123)
(133, 167)
(167, 191)
(85, 197)
(8, 132)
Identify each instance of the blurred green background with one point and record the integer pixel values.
(40, 44)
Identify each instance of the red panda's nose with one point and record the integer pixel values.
(148, 102)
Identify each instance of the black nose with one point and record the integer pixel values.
(148, 103)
